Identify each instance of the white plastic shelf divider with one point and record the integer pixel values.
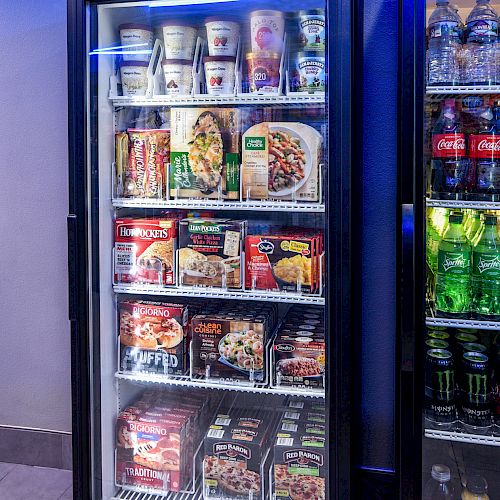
(273, 206)
(463, 323)
(205, 100)
(463, 89)
(288, 298)
(476, 205)
(187, 382)
(462, 437)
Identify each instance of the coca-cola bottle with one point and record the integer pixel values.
(484, 153)
(449, 166)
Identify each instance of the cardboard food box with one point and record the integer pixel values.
(228, 349)
(210, 252)
(235, 447)
(144, 251)
(281, 262)
(205, 153)
(281, 161)
(300, 466)
(299, 361)
(153, 337)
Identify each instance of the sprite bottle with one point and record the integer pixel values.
(486, 273)
(453, 296)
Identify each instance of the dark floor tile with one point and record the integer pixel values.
(5, 468)
(24, 482)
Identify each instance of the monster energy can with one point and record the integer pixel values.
(438, 335)
(473, 347)
(475, 385)
(459, 340)
(440, 408)
(436, 344)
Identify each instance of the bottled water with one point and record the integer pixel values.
(439, 486)
(480, 52)
(443, 54)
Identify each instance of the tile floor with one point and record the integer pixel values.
(24, 482)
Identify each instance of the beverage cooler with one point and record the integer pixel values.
(449, 342)
(209, 248)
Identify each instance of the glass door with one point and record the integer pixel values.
(457, 344)
(215, 319)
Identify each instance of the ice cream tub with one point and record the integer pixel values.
(312, 32)
(179, 40)
(139, 37)
(134, 78)
(264, 72)
(222, 36)
(268, 29)
(178, 76)
(311, 67)
(219, 74)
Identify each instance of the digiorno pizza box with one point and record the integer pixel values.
(153, 337)
(144, 251)
(300, 465)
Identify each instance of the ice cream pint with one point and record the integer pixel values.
(312, 34)
(264, 72)
(178, 76)
(312, 74)
(268, 29)
(139, 37)
(219, 74)
(179, 40)
(134, 78)
(222, 36)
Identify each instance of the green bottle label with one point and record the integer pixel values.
(456, 263)
(486, 265)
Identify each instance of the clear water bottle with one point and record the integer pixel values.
(439, 486)
(443, 31)
(480, 59)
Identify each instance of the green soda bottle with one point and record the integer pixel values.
(474, 225)
(453, 294)
(486, 273)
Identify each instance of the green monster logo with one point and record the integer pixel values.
(477, 386)
(445, 380)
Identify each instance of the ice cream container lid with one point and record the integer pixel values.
(184, 24)
(219, 58)
(184, 62)
(226, 19)
(143, 64)
(267, 13)
(135, 26)
(312, 12)
(263, 55)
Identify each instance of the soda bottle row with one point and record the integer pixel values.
(464, 256)
(462, 381)
(466, 150)
(463, 53)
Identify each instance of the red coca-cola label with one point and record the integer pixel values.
(484, 146)
(448, 145)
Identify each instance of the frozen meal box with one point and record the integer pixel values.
(281, 160)
(144, 251)
(153, 337)
(210, 252)
(205, 153)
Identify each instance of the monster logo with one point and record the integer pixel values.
(477, 387)
(445, 381)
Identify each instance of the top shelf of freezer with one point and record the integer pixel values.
(444, 90)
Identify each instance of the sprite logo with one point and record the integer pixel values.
(450, 262)
(488, 264)
(445, 381)
(477, 386)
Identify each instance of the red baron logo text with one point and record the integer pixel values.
(151, 311)
(293, 455)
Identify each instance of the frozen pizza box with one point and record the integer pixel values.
(153, 337)
(281, 161)
(235, 448)
(205, 153)
(228, 349)
(210, 252)
(300, 466)
(144, 251)
(306, 404)
(301, 427)
(299, 361)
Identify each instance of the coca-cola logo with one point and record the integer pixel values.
(487, 145)
(484, 146)
(455, 144)
(448, 145)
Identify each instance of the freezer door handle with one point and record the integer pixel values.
(72, 267)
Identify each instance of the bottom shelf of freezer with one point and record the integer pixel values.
(199, 444)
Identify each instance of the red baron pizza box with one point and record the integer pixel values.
(153, 337)
(144, 251)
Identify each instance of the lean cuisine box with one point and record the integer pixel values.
(205, 153)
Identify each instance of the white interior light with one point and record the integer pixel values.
(116, 47)
(170, 3)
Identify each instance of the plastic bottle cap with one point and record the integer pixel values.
(441, 473)
(456, 218)
(477, 484)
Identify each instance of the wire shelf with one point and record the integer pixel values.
(462, 437)
(463, 323)
(476, 205)
(462, 89)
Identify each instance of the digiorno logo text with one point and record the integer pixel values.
(303, 456)
(232, 449)
(149, 232)
(151, 311)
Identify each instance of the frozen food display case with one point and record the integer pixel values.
(449, 259)
(209, 248)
